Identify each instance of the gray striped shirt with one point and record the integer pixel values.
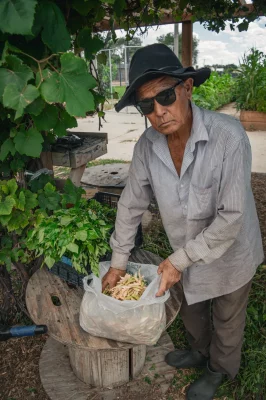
(208, 213)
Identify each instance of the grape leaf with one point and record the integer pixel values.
(49, 198)
(91, 44)
(7, 205)
(21, 201)
(4, 219)
(6, 148)
(64, 122)
(70, 85)
(29, 142)
(16, 73)
(19, 99)
(50, 20)
(17, 16)
(18, 220)
(12, 186)
(36, 107)
(47, 119)
(30, 200)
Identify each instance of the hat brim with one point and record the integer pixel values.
(199, 76)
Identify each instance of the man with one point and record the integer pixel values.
(197, 163)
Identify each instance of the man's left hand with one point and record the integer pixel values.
(170, 276)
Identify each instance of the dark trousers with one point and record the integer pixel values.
(220, 339)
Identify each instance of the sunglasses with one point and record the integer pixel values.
(165, 98)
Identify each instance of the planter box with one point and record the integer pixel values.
(253, 120)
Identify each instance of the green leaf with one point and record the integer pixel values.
(30, 200)
(16, 73)
(83, 7)
(72, 193)
(102, 58)
(52, 22)
(119, 6)
(49, 261)
(39, 182)
(21, 201)
(243, 26)
(4, 219)
(12, 186)
(16, 16)
(70, 85)
(64, 122)
(17, 164)
(19, 99)
(90, 44)
(72, 247)
(7, 205)
(29, 142)
(49, 198)
(36, 107)
(81, 235)
(19, 220)
(47, 119)
(6, 148)
(65, 220)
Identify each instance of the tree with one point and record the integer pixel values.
(119, 46)
(168, 39)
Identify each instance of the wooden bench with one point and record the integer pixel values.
(72, 357)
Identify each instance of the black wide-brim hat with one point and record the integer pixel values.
(151, 62)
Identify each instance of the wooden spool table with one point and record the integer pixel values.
(76, 358)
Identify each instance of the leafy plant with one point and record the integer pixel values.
(81, 233)
(215, 92)
(251, 82)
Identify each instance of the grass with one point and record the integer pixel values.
(250, 381)
(120, 90)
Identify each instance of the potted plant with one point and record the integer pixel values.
(251, 90)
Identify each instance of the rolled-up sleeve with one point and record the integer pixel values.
(216, 239)
(134, 201)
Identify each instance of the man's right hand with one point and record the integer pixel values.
(112, 277)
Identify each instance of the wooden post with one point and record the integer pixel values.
(187, 29)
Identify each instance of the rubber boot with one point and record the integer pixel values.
(206, 386)
(186, 359)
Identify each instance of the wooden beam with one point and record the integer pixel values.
(104, 25)
(187, 29)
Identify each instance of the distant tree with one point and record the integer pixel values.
(118, 45)
(168, 39)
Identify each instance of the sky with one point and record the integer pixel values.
(226, 47)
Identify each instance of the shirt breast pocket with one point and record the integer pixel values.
(201, 202)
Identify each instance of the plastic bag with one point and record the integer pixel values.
(134, 321)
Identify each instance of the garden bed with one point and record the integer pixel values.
(19, 373)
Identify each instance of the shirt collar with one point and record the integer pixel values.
(198, 130)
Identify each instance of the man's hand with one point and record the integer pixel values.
(170, 276)
(112, 277)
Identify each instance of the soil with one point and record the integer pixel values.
(19, 373)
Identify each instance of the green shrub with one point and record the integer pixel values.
(251, 82)
(215, 92)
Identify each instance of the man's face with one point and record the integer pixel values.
(168, 119)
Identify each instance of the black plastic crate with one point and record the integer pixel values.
(64, 268)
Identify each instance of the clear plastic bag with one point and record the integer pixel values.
(134, 321)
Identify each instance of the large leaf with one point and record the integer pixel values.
(6, 148)
(16, 16)
(19, 99)
(16, 73)
(90, 44)
(12, 186)
(83, 7)
(47, 119)
(64, 122)
(49, 198)
(36, 107)
(51, 21)
(73, 247)
(19, 220)
(21, 201)
(70, 85)
(29, 142)
(30, 200)
(7, 205)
